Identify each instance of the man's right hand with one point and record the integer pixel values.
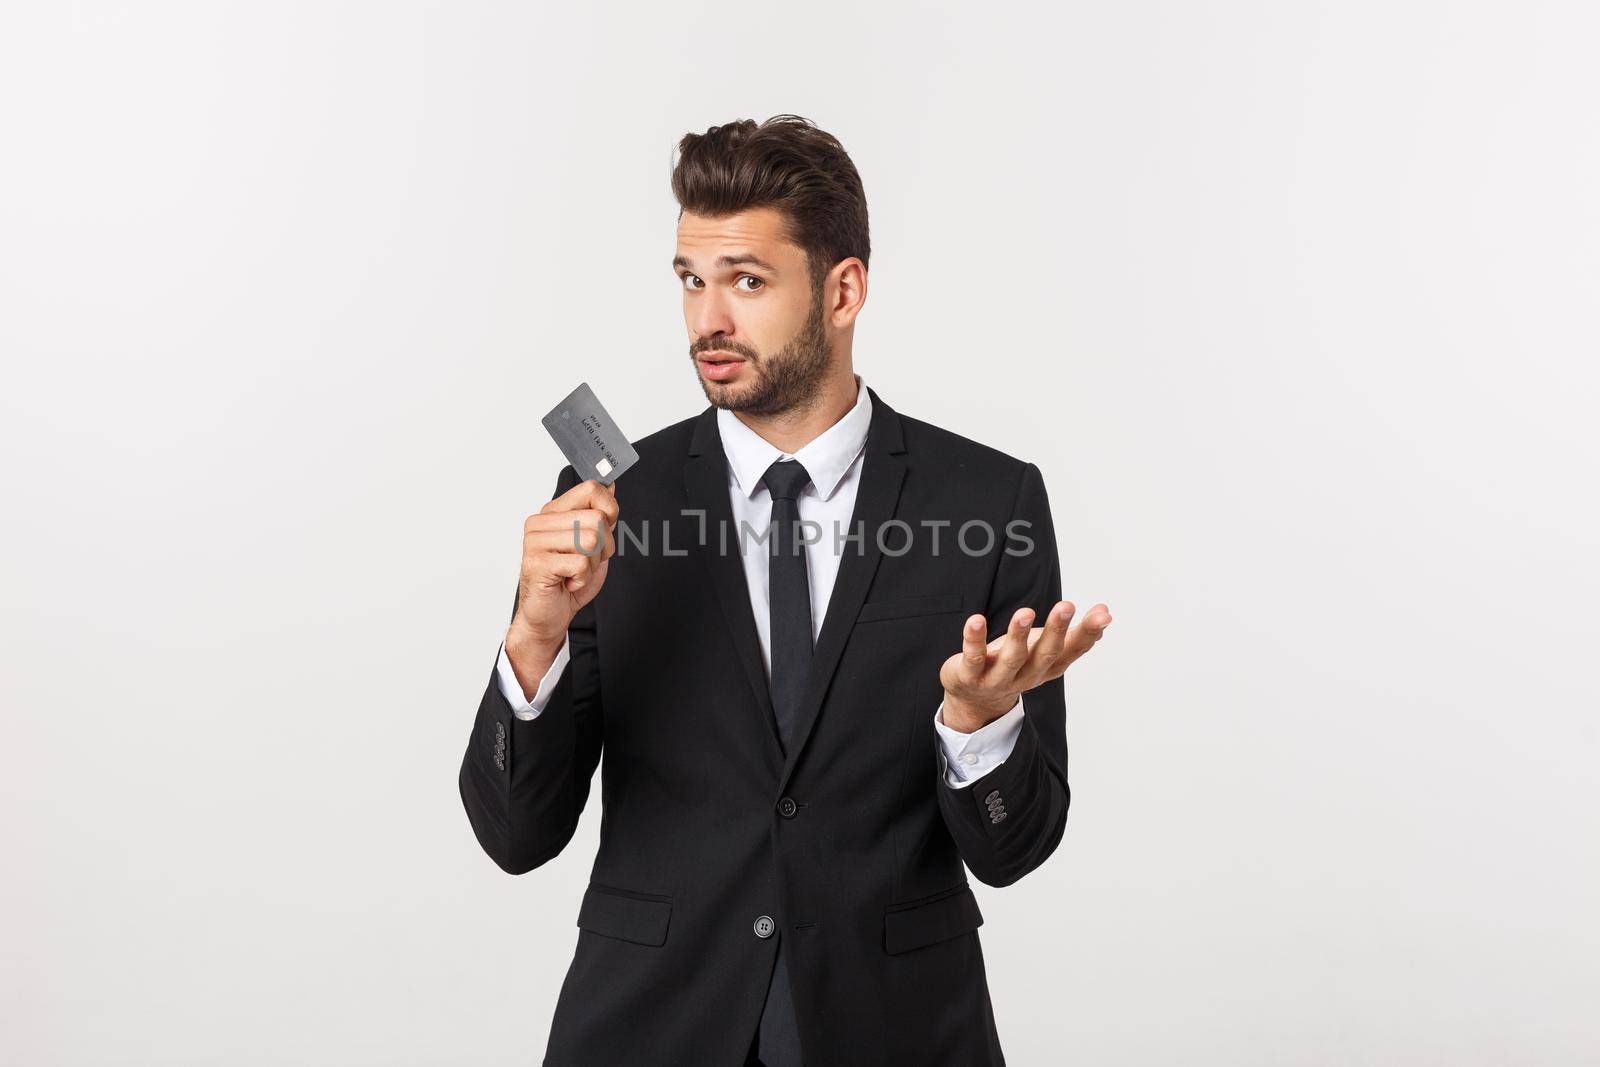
(566, 548)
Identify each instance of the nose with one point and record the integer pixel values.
(709, 314)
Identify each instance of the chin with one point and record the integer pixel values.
(732, 399)
(722, 397)
(724, 394)
(718, 393)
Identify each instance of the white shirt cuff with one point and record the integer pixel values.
(969, 757)
(511, 689)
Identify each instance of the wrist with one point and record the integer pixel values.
(967, 716)
(531, 657)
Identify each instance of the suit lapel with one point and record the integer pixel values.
(877, 494)
(705, 481)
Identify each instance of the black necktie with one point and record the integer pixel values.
(790, 595)
(777, 1041)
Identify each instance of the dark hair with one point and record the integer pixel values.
(786, 163)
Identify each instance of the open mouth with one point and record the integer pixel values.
(721, 366)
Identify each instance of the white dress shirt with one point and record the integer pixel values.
(833, 459)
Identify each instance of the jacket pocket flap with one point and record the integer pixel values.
(907, 606)
(634, 917)
(950, 914)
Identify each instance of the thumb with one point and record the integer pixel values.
(592, 585)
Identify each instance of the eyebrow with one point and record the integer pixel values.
(740, 260)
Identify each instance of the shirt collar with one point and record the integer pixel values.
(826, 456)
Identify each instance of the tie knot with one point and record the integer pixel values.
(785, 478)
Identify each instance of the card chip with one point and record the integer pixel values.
(603, 465)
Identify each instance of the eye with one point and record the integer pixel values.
(686, 277)
(753, 278)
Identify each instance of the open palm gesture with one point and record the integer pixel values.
(982, 682)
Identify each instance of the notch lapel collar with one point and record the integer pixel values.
(705, 483)
(876, 498)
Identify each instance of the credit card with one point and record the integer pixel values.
(588, 438)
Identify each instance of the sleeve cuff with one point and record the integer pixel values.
(511, 689)
(968, 757)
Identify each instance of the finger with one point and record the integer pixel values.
(1054, 637)
(1096, 621)
(557, 568)
(974, 651)
(594, 566)
(606, 502)
(590, 535)
(1089, 630)
(593, 570)
(584, 532)
(587, 494)
(1014, 646)
(562, 520)
(589, 572)
(597, 575)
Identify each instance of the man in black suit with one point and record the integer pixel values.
(801, 745)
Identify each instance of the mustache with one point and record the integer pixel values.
(697, 350)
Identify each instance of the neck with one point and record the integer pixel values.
(790, 431)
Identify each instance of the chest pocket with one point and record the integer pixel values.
(904, 607)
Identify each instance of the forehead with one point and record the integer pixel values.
(757, 230)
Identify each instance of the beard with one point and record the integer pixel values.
(789, 380)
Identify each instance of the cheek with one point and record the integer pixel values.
(769, 328)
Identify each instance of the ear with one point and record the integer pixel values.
(844, 291)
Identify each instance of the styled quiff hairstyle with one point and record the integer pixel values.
(785, 163)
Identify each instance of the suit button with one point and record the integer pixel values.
(993, 796)
(787, 807)
(764, 926)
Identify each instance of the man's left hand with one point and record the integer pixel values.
(982, 682)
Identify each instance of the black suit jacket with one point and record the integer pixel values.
(851, 842)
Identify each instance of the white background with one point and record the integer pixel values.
(1293, 304)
